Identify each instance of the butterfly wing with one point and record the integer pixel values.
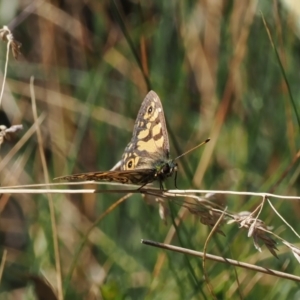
(141, 176)
(149, 144)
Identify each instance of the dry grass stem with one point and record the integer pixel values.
(7, 36)
(3, 261)
(50, 200)
(223, 260)
(214, 229)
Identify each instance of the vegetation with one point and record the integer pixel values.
(227, 71)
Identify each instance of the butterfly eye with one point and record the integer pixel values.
(150, 109)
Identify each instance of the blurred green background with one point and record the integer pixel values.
(218, 76)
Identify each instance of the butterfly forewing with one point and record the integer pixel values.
(146, 157)
(149, 143)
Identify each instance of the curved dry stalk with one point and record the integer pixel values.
(280, 216)
(7, 36)
(214, 229)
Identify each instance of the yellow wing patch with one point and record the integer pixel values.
(151, 145)
(156, 129)
(143, 134)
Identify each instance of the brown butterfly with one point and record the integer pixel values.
(147, 157)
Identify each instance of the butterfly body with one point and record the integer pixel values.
(147, 156)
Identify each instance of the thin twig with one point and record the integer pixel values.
(223, 260)
(284, 221)
(182, 193)
(151, 191)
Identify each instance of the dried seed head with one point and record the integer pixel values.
(4, 130)
(7, 36)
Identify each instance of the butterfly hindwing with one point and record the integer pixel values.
(141, 176)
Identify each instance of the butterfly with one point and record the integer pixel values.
(147, 156)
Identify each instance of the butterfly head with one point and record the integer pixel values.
(165, 169)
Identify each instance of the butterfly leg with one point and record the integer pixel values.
(142, 186)
(161, 187)
(175, 180)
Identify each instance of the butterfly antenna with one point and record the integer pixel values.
(201, 144)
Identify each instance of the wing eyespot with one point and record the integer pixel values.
(130, 164)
